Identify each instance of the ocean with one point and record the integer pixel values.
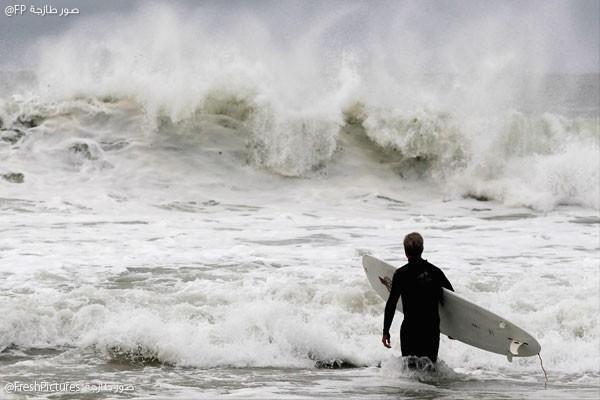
(184, 208)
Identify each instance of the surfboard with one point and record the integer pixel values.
(462, 320)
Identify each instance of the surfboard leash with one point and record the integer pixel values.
(543, 369)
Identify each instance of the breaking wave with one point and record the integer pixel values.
(101, 91)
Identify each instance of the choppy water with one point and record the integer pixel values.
(249, 299)
(193, 226)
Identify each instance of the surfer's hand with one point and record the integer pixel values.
(386, 340)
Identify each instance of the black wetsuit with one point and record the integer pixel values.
(420, 285)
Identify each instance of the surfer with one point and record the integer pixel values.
(420, 284)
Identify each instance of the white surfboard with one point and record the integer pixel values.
(461, 319)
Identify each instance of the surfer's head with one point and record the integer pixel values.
(413, 245)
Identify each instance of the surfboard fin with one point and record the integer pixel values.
(513, 349)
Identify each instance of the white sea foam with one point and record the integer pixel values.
(192, 289)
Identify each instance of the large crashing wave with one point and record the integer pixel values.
(520, 159)
(288, 104)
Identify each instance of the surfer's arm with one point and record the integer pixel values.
(390, 306)
(445, 282)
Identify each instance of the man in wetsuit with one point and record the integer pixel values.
(420, 284)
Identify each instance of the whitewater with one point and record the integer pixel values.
(185, 198)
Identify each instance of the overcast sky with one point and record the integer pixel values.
(568, 31)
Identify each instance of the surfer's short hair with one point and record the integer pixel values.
(413, 244)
